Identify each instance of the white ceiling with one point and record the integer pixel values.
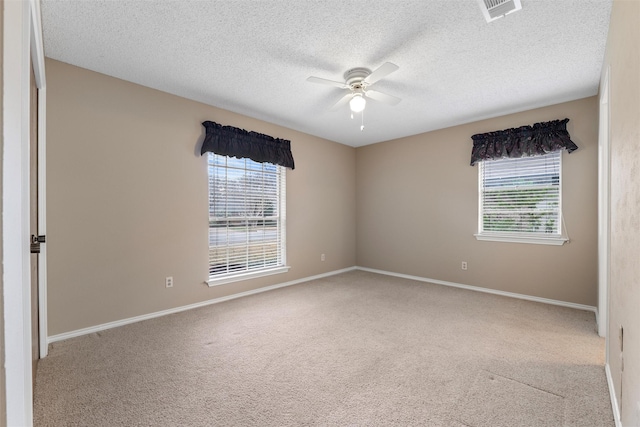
(253, 57)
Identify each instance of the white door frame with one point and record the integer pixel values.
(15, 213)
(21, 32)
(604, 209)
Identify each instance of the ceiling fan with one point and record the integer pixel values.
(358, 81)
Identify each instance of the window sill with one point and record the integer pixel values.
(223, 280)
(511, 238)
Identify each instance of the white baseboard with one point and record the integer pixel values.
(485, 290)
(117, 323)
(612, 394)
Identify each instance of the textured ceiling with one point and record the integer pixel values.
(253, 57)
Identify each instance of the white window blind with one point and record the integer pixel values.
(246, 216)
(521, 197)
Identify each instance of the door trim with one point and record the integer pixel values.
(604, 209)
(15, 231)
(42, 222)
(22, 31)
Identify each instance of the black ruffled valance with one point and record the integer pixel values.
(541, 138)
(235, 142)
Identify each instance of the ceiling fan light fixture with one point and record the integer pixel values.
(357, 103)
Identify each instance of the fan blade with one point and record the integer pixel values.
(383, 70)
(341, 85)
(342, 101)
(382, 97)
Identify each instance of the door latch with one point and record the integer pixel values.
(35, 243)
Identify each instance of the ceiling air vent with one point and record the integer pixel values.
(494, 9)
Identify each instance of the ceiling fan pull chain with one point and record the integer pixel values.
(362, 125)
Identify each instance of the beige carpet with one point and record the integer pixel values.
(357, 349)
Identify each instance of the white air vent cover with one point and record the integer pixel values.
(494, 9)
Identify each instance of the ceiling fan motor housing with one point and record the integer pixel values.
(355, 76)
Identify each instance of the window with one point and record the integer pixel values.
(520, 200)
(246, 219)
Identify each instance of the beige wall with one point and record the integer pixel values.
(127, 204)
(623, 56)
(127, 200)
(418, 205)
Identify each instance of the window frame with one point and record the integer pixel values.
(522, 237)
(281, 267)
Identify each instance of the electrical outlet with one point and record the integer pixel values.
(322, 258)
(464, 265)
(168, 282)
